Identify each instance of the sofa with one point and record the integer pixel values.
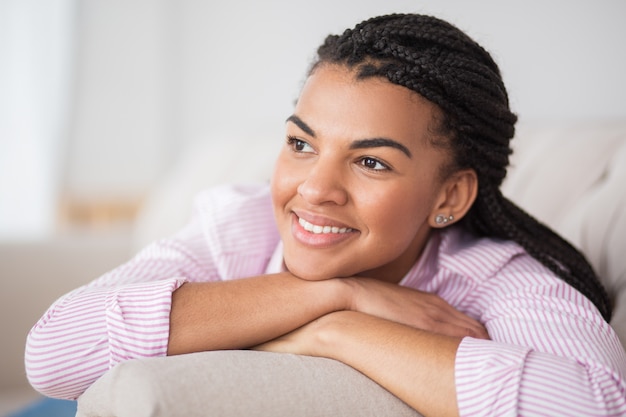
(572, 177)
(34, 274)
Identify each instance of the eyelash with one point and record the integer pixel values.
(363, 160)
(293, 142)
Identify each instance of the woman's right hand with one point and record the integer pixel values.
(411, 307)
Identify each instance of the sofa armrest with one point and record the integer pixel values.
(237, 383)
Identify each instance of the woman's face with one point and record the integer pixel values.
(357, 179)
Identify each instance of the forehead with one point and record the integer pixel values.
(333, 100)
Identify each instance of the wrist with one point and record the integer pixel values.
(346, 290)
(336, 294)
(329, 333)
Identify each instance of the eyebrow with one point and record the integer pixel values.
(358, 144)
(380, 142)
(298, 122)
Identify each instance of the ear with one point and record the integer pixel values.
(455, 198)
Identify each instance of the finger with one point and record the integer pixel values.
(440, 311)
(451, 322)
(454, 330)
(476, 328)
(444, 312)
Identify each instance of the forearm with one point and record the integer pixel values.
(496, 378)
(89, 330)
(415, 365)
(242, 313)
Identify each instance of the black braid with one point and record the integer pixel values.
(445, 66)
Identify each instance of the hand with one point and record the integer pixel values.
(411, 307)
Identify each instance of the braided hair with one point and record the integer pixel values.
(442, 64)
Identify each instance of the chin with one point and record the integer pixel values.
(309, 273)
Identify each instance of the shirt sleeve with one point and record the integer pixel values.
(124, 314)
(551, 352)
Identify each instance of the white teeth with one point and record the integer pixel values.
(313, 228)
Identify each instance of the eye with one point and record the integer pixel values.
(373, 164)
(298, 145)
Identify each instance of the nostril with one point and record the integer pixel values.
(319, 190)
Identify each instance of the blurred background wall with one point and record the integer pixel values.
(104, 94)
(99, 99)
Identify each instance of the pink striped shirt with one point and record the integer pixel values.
(551, 352)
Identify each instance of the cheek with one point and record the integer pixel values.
(399, 213)
(284, 182)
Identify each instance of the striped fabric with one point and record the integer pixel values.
(551, 353)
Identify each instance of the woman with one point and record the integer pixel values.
(383, 242)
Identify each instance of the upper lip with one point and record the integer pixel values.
(320, 220)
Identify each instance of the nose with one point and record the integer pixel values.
(324, 184)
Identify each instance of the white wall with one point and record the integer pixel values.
(153, 75)
(35, 71)
(122, 108)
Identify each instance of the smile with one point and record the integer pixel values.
(317, 229)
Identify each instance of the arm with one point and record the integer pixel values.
(400, 337)
(551, 353)
(125, 313)
(440, 375)
(92, 328)
(242, 313)
(131, 312)
(415, 365)
(87, 332)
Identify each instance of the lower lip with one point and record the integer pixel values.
(317, 240)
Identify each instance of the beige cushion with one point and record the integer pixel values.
(237, 384)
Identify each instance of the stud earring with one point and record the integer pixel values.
(442, 219)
